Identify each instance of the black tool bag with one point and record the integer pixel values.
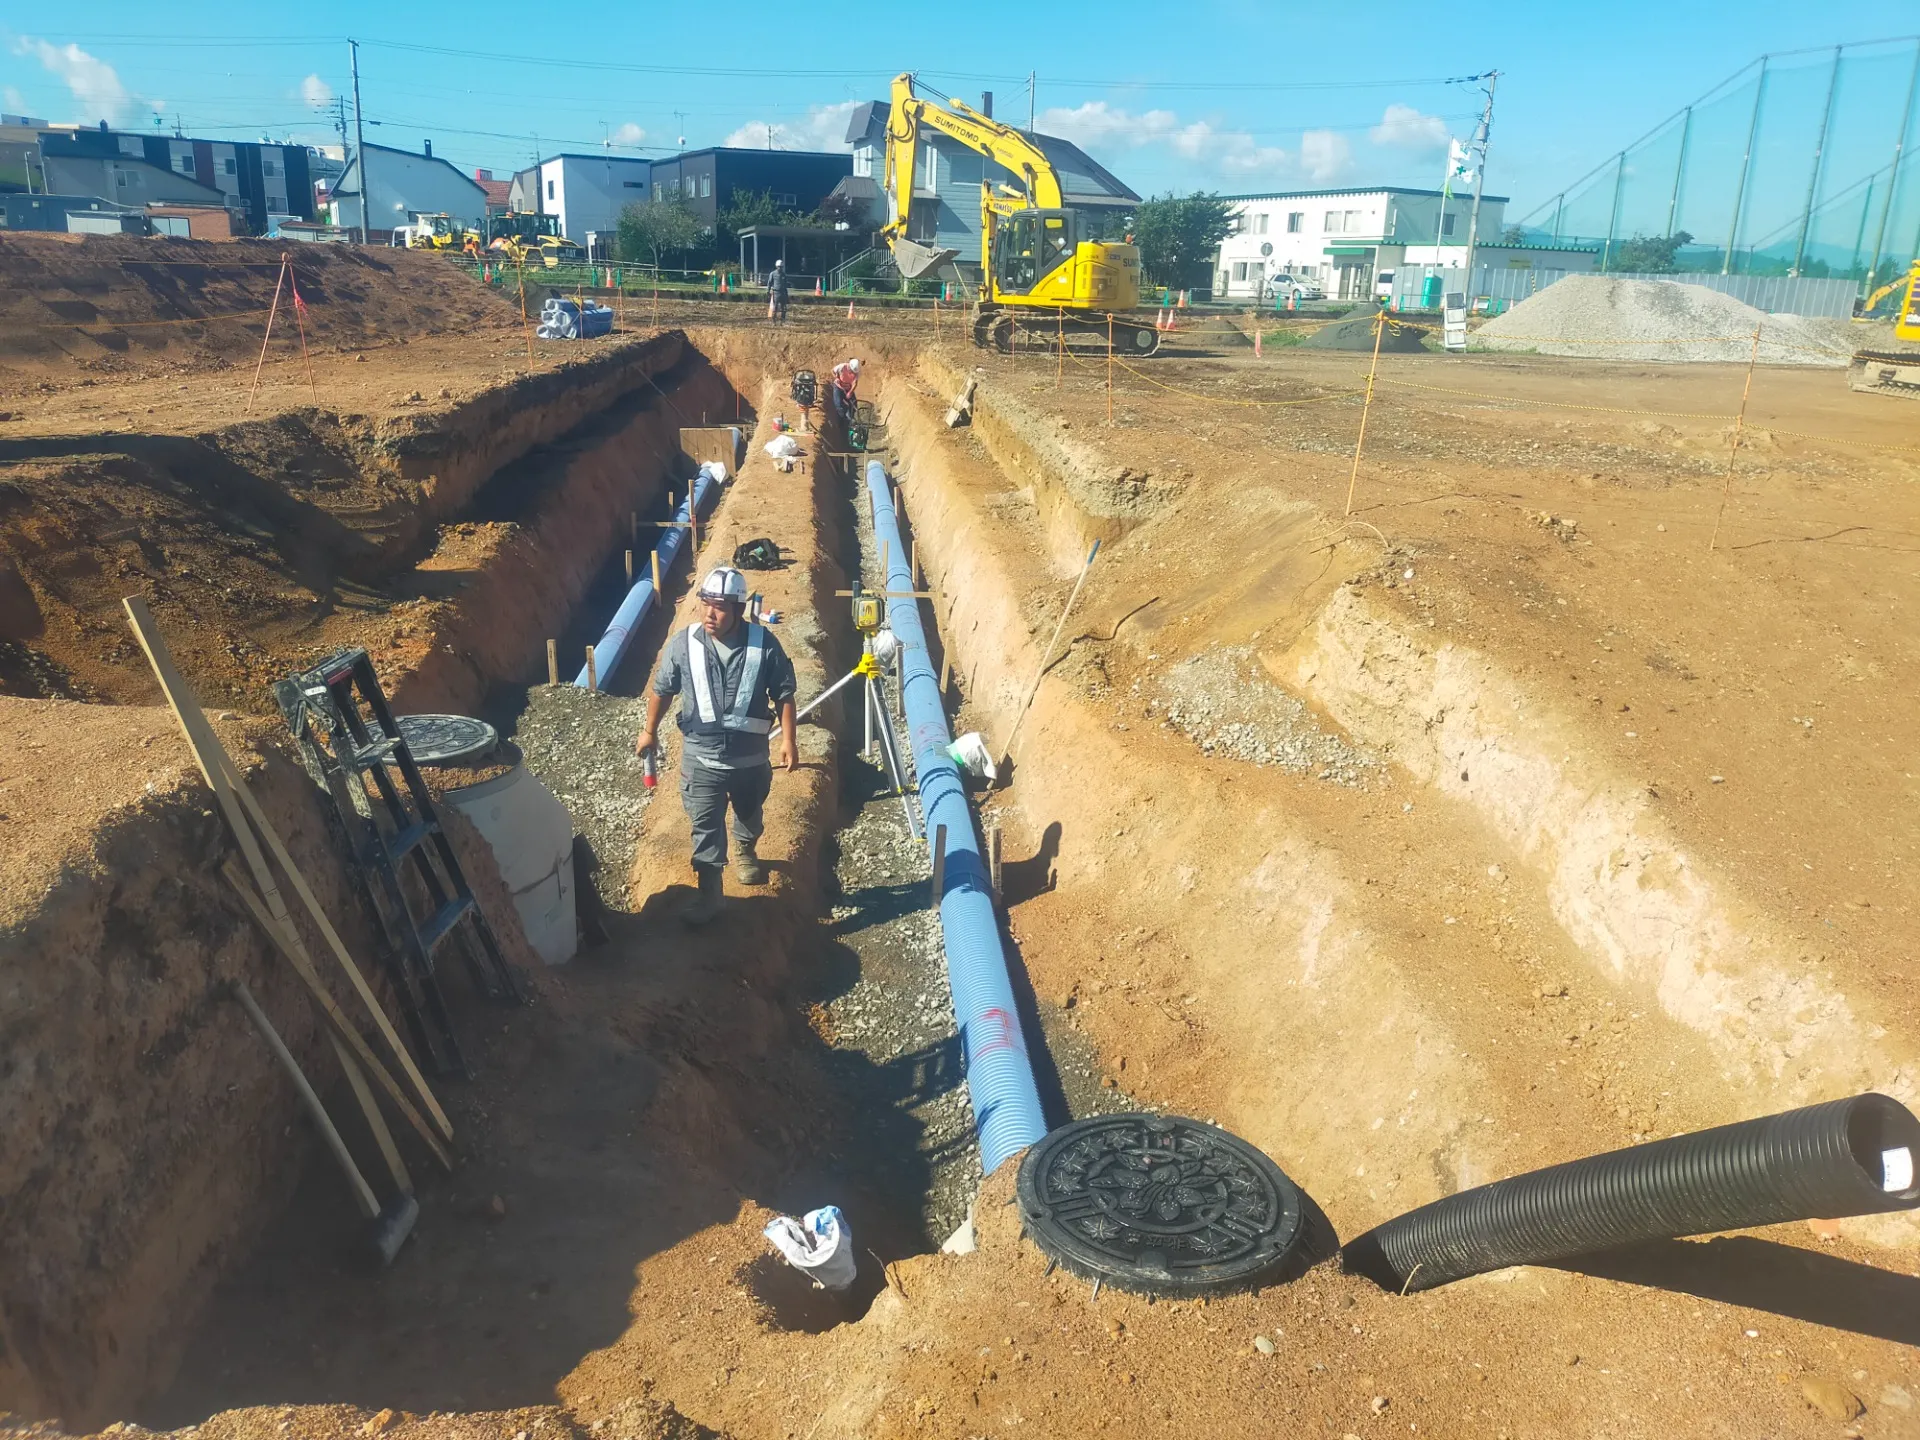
(805, 385)
(761, 554)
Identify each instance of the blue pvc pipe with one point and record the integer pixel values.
(1006, 1102)
(633, 610)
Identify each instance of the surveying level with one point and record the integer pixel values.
(866, 612)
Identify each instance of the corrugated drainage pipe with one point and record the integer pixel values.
(1824, 1162)
(612, 645)
(1006, 1102)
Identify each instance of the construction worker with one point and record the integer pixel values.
(777, 291)
(733, 680)
(846, 379)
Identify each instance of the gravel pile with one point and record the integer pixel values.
(581, 745)
(1598, 317)
(1223, 701)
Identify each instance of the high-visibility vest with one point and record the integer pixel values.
(708, 678)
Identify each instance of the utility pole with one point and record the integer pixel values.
(1032, 78)
(1480, 180)
(680, 134)
(359, 140)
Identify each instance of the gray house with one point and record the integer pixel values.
(946, 183)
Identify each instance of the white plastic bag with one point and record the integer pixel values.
(970, 753)
(784, 447)
(714, 471)
(819, 1245)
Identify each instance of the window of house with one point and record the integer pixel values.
(1261, 228)
(1296, 219)
(633, 184)
(550, 189)
(788, 199)
(1239, 270)
(186, 164)
(266, 168)
(706, 187)
(929, 178)
(227, 165)
(659, 190)
(1356, 222)
(1446, 224)
(1332, 225)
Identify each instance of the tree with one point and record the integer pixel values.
(1179, 237)
(1649, 255)
(650, 230)
(1514, 235)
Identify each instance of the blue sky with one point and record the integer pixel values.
(1213, 94)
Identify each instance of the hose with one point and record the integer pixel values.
(1829, 1161)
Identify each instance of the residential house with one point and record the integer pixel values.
(585, 193)
(499, 192)
(709, 180)
(1348, 241)
(254, 180)
(402, 184)
(945, 207)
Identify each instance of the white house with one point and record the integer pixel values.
(405, 183)
(1344, 238)
(586, 192)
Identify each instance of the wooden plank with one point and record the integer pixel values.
(705, 443)
(355, 977)
(217, 767)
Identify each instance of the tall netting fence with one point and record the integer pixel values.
(1802, 164)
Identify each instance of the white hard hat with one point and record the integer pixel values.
(779, 264)
(854, 364)
(724, 582)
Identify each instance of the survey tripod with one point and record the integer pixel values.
(877, 647)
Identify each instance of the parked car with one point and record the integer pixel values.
(1383, 285)
(1282, 285)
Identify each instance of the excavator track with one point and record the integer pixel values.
(1004, 330)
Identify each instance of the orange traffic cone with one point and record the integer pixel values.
(1256, 344)
(1183, 299)
(723, 282)
(819, 287)
(849, 307)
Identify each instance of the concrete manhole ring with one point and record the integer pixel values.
(1159, 1204)
(447, 739)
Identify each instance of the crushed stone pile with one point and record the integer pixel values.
(581, 745)
(1356, 333)
(1223, 701)
(1601, 317)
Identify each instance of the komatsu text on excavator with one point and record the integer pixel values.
(1054, 272)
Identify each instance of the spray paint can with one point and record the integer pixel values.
(650, 766)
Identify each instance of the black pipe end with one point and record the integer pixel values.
(1884, 1138)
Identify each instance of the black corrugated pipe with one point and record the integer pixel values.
(1827, 1162)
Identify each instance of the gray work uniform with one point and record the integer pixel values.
(730, 693)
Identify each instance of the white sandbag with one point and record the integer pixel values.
(714, 471)
(970, 753)
(784, 447)
(819, 1245)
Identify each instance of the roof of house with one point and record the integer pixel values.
(499, 192)
(587, 155)
(1356, 190)
(754, 150)
(860, 187)
(341, 187)
(1082, 178)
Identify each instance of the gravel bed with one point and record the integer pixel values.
(581, 745)
(1224, 703)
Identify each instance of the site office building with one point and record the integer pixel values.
(1344, 238)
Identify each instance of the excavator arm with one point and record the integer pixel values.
(1002, 144)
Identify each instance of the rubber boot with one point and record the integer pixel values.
(747, 868)
(704, 908)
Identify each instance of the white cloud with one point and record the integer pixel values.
(316, 92)
(16, 102)
(627, 134)
(93, 82)
(824, 128)
(1097, 125)
(1402, 127)
(1325, 155)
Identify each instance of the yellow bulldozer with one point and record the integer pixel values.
(1892, 372)
(1052, 271)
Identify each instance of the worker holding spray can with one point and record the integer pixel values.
(735, 683)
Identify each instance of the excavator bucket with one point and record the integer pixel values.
(915, 259)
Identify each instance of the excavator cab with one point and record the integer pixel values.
(1030, 245)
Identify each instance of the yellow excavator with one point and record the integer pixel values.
(1892, 372)
(1052, 271)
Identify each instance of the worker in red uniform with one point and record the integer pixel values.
(846, 379)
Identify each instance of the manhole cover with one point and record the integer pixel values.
(447, 739)
(1158, 1204)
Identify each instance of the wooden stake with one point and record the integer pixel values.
(659, 593)
(913, 562)
(993, 859)
(629, 569)
(946, 672)
(593, 675)
(1109, 369)
(633, 528)
(299, 318)
(1353, 477)
(1052, 640)
(939, 863)
(521, 264)
(1060, 374)
(271, 313)
(1739, 424)
(553, 662)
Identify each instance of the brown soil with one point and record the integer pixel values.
(1543, 927)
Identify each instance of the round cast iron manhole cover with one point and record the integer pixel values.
(447, 739)
(1159, 1204)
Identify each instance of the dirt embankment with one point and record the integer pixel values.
(146, 1135)
(76, 306)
